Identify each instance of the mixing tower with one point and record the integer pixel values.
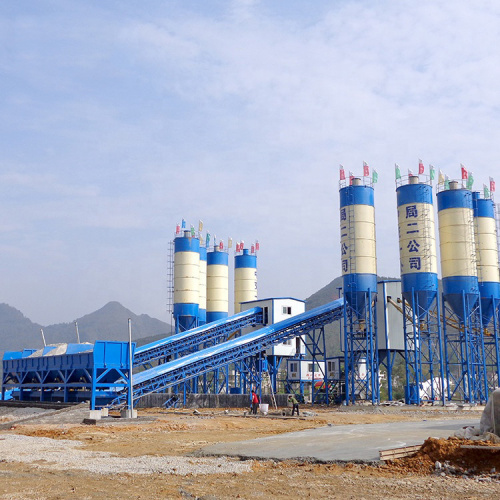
(489, 283)
(359, 270)
(186, 281)
(419, 287)
(462, 328)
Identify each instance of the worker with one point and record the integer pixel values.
(295, 404)
(255, 402)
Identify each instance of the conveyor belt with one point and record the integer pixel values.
(180, 370)
(184, 342)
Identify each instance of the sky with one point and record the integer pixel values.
(120, 118)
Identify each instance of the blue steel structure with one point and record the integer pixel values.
(85, 372)
(489, 284)
(462, 318)
(419, 288)
(315, 346)
(181, 370)
(360, 290)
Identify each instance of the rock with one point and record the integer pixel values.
(490, 419)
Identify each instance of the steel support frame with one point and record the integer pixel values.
(361, 343)
(423, 341)
(491, 348)
(465, 366)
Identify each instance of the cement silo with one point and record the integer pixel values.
(488, 277)
(462, 328)
(186, 281)
(217, 284)
(359, 271)
(245, 278)
(202, 310)
(419, 287)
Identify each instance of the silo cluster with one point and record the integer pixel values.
(201, 278)
(450, 339)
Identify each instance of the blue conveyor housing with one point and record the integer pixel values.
(182, 369)
(191, 340)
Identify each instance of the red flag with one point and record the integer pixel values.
(420, 167)
(177, 229)
(366, 170)
(342, 173)
(492, 185)
(351, 177)
(221, 245)
(252, 249)
(237, 247)
(257, 246)
(464, 172)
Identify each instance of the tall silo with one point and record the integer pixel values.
(359, 270)
(419, 288)
(462, 328)
(245, 278)
(186, 281)
(489, 280)
(217, 284)
(202, 311)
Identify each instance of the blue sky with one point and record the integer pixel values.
(119, 118)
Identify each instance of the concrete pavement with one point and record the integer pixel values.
(341, 443)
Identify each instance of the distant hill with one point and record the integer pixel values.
(111, 323)
(108, 323)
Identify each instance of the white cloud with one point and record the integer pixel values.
(237, 114)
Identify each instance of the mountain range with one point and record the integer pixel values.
(108, 323)
(111, 323)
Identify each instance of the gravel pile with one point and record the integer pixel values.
(65, 454)
(8, 414)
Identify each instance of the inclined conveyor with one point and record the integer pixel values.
(182, 369)
(191, 340)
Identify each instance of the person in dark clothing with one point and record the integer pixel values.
(255, 402)
(295, 405)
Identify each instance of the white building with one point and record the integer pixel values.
(275, 310)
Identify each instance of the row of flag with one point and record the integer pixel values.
(442, 179)
(421, 170)
(255, 247)
(366, 173)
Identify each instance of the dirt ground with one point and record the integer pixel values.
(441, 470)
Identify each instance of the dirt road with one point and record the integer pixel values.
(59, 457)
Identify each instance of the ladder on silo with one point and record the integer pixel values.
(497, 221)
(351, 246)
(170, 282)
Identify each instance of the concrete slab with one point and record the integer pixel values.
(340, 443)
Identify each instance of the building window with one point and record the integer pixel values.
(265, 319)
(287, 310)
(313, 367)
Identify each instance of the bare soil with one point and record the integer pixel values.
(464, 474)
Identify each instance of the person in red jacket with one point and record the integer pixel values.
(255, 402)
